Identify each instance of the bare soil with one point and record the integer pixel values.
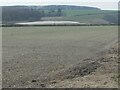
(97, 72)
(35, 57)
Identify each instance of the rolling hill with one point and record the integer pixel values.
(82, 14)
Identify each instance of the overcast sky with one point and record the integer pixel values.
(103, 4)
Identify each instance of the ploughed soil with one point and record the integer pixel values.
(100, 71)
(34, 57)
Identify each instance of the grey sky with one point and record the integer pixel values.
(106, 4)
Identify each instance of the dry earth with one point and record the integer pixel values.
(98, 72)
(37, 57)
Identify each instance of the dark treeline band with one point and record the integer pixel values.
(13, 25)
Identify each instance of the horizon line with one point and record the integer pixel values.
(60, 5)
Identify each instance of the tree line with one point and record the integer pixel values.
(14, 14)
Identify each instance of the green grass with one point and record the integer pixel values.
(86, 16)
(85, 12)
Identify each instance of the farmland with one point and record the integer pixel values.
(88, 15)
(85, 16)
(33, 54)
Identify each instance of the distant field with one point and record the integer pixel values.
(84, 16)
(87, 12)
(49, 23)
(36, 53)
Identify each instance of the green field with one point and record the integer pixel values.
(86, 12)
(38, 52)
(86, 16)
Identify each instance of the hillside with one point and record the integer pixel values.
(92, 16)
(83, 14)
(68, 7)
